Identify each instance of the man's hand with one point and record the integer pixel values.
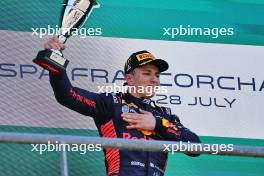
(54, 43)
(145, 120)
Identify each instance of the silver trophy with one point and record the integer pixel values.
(74, 14)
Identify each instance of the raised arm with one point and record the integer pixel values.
(82, 101)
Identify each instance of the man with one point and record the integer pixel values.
(130, 115)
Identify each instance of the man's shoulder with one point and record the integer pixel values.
(168, 112)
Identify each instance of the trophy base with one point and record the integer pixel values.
(52, 61)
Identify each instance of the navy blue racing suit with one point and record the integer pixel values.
(106, 110)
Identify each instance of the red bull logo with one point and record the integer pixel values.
(166, 123)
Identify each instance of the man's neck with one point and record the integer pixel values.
(135, 95)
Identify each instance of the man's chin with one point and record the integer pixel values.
(148, 95)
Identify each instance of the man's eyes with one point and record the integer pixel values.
(147, 73)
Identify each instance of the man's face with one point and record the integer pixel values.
(144, 80)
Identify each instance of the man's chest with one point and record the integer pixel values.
(134, 133)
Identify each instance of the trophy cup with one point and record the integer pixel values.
(73, 16)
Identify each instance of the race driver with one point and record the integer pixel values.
(131, 115)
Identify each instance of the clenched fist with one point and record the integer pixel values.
(54, 43)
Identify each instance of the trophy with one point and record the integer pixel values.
(73, 16)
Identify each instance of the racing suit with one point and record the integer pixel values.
(106, 110)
